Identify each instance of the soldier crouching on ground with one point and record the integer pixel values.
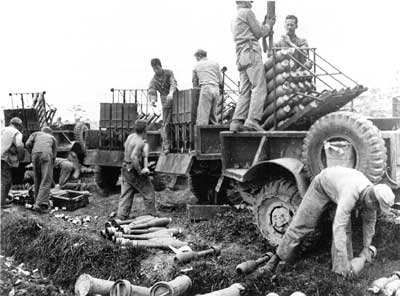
(43, 147)
(135, 173)
(12, 151)
(350, 190)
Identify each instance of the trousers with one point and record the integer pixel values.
(207, 110)
(43, 169)
(167, 114)
(253, 84)
(6, 181)
(133, 183)
(315, 202)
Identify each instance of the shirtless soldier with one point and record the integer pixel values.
(135, 173)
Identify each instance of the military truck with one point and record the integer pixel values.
(105, 147)
(35, 113)
(309, 125)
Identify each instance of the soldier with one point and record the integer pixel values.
(207, 76)
(135, 173)
(12, 151)
(349, 189)
(165, 83)
(43, 147)
(253, 86)
(290, 39)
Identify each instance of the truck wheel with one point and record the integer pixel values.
(80, 131)
(106, 177)
(274, 209)
(364, 138)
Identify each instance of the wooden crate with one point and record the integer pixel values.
(70, 199)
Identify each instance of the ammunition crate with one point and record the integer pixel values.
(118, 115)
(71, 200)
(184, 106)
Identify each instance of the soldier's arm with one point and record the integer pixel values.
(369, 220)
(30, 142)
(20, 146)
(258, 29)
(135, 157)
(195, 79)
(145, 154)
(152, 91)
(173, 83)
(54, 148)
(342, 219)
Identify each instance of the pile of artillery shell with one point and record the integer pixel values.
(145, 231)
(289, 86)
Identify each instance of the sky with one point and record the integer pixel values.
(77, 50)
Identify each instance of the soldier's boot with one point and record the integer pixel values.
(253, 125)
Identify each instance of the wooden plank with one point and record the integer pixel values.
(174, 163)
(205, 212)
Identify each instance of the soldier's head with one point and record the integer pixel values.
(47, 130)
(244, 3)
(140, 126)
(385, 197)
(16, 122)
(291, 22)
(156, 64)
(199, 54)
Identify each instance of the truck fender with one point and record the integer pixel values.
(280, 166)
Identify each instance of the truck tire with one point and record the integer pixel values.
(80, 131)
(106, 178)
(276, 204)
(365, 138)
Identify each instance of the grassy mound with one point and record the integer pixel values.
(64, 256)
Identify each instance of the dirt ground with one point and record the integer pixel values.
(55, 252)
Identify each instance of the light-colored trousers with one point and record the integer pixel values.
(253, 85)
(43, 169)
(207, 110)
(167, 114)
(315, 202)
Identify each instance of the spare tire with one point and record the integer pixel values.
(365, 139)
(80, 131)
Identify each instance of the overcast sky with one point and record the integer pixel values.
(77, 50)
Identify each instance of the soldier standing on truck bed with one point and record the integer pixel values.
(207, 76)
(43, 147)
(135, 173)
(350, 190)
(165, 83)
(12, 151)
(253, 86)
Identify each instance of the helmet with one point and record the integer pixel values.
(385, 197)
(200, 52)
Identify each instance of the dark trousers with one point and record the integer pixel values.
(43, 169)
(6, 181)
(133, 183)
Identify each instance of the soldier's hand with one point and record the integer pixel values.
(145, 171)
(345, 269)
(270, 20)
